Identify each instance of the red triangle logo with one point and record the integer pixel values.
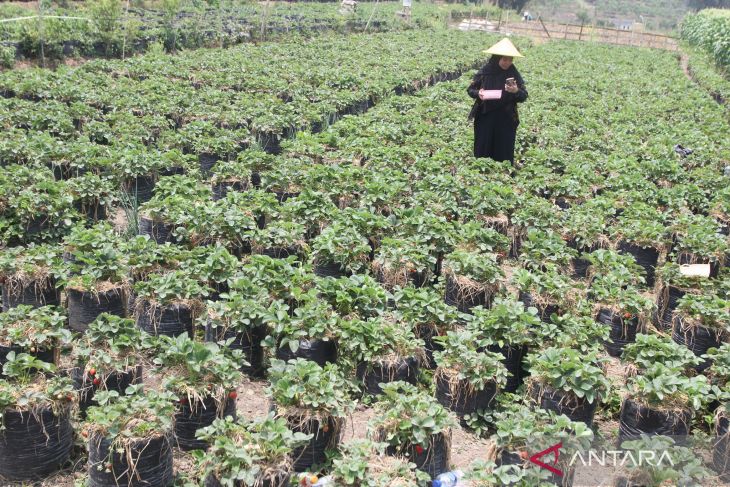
(555, 449)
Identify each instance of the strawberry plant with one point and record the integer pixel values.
(341, 246)
(507, 323)
(698, 240)
(92, 195)
(413, 424)
(574, 330)
(311, 321)
(623, 269)
(652, 349)
(488, 474)
(238, 320)
(224, 222)
(168, 303)
(110, 356)
(542, 250)
(35, 403)
(461, 359)
(311, 208)
(608, 291)
(685, 468)
(29, 270)
(204, 378)
(712, 312)
(247, 452)
(313, 400)
(433, 230)
(468, 377)
(665, 388)
(520, 430)
(93, 260)
(284, 280)
(301, 385)
(201, 370)
(403, 261)
(30, 385)
(476, 236)
(280, 238)
(586, 225)
(472, 278)
(363, 462)
(568, 381)
(130, 436)
(356, 295)
(40, 332)
(381, 349)
(550, 291)
(719, 371)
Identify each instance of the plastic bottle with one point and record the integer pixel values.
(448, 479)
(307, 480)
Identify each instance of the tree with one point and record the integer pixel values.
(700, 4)
(517, 5)
(583, 16)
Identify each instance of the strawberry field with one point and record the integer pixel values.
(234, 266)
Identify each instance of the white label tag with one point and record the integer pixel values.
(695, 270)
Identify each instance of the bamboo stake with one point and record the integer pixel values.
(42, 32)
(126, 25)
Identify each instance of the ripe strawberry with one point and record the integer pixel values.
(96, 381)
(419, 449)
(326, 428)
(232, 395)
(92, 371)
(184, 400)
(627, 316)
(84, 433)
(524, 455)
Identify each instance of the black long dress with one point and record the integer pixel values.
(496, 121)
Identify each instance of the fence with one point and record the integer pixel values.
(575, 32)
(545, 30)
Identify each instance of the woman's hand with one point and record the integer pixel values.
(511, 88)
(482, 94)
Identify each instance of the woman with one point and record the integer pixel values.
(497, 88)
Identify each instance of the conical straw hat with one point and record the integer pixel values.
(504, 48)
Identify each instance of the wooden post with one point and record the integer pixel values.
(499, 22)
(543, 26)
(371, 15)
(580, 34)
(126, 22)
(565, 32)
(42, 32)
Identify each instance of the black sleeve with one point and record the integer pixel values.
(521, 94)
(476, 85)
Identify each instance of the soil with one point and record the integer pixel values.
(684, 64)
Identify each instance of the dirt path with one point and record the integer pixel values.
(684, 64)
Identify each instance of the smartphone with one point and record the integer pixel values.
(510, 81)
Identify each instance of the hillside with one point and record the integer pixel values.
(656, 15)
